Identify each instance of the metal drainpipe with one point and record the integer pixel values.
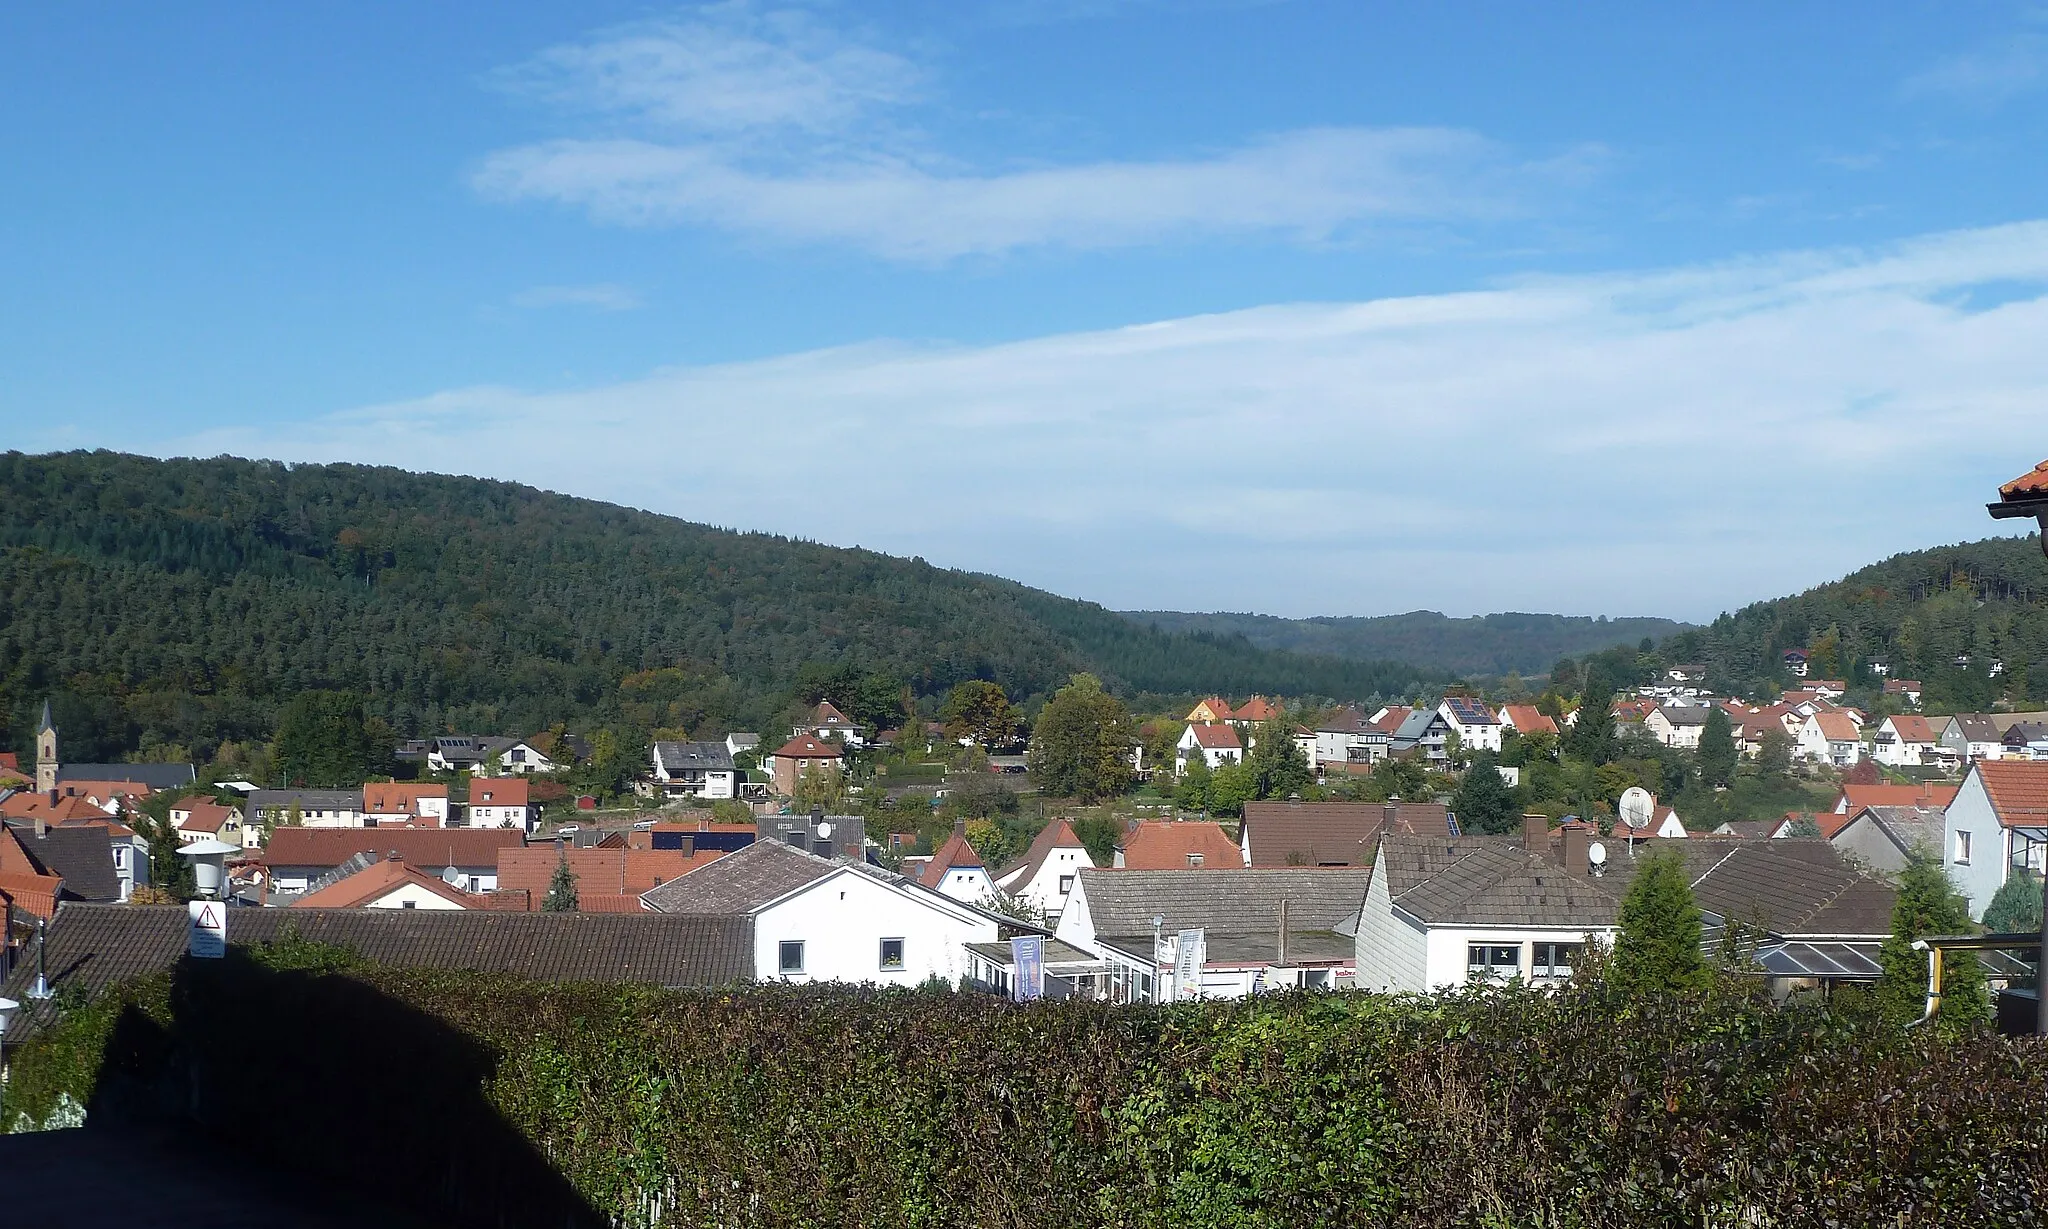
(1933, 982)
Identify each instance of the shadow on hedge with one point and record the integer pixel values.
(326, 1078)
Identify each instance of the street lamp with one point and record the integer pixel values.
(209, 862)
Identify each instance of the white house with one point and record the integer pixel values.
(517, 757)
(1830, 737)
(1971, 736)
(956, 871)
(827, 722)
(694, 770)
(1677, 725)
(1347, 736)
(405, 803)
(1217, 745)
(501, 802)
(389, 884)
(1998, 820)
(817, 920)
(200, 818)
(314, 808)
(1044, 877)
(1475, 724)
(1906, 741)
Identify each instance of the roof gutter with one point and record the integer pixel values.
(1935, 945)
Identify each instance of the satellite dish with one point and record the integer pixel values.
(451, 876)
(1638, 805)
(1596, 853)
(824, 832)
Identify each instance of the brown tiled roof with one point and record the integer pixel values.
(500, 791)
(206, 814)
(1391, 720)
(1333, 833)
(1059, 834)
(1837, 727)
(599, 871)
(377, 881)
(2018, 791)
(434, 847)
(956, 852)
(1913, 729)
(92, 945)
(1165, 846)
(401, 797)
(1258, 708)
(741, 881)
(808, 747)
(1217, 737)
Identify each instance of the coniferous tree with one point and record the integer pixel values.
(1717, 753)
(1278, 767)
(1484, 803)
(1591, 738)
(2016, 907)
(1658, 947)
(561, 897)
(1927, 904)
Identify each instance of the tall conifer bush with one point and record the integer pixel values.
(1928, 905)
(561, 897)
(1658, 949)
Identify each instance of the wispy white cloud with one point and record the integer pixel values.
(1672, 441)
(777, 127)
(2000, 71)
(600, 296)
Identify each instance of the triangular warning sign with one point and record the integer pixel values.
(207, 917)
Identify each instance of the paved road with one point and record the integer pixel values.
(86, 1178)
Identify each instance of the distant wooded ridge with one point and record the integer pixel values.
(1494, 644)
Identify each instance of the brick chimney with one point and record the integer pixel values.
(1536, 833)
(960, 828)
(1577, 843)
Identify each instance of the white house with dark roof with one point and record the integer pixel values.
(833, 920)
(1473, 721)
(1044, 877)
(1678, 725)
(693, 770)
(1971, 736)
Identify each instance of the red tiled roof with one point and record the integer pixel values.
(1258, 708)
(418, 846)
(2034, 480)
(403, 797)
(808, 747)
(599, 872)
(35, 895)
(1837, 727)
(1914, 729)
(1855, 797)
(1528, 719)
(499, 791)
(10, 761)
(1218, 707)
(2018, 791)
(1216, 737)
(956, 852)
(1164, 845)
(375, 882)
(32, 805)
(206, 815)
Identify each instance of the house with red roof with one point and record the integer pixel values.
(389, 883)
(200, 818)
(406, 803)
(957, 871)
(802, 754)
(827, 722)
(1043, 877)
(1526, 719)
(1176, 845)
(1855, 797)
(1254, 711)
(1998, 820)
(1830, 737)
(1216, 745)
(1904, 689)
(608, 879)
(502, 802)
(1211, 711)
(1906, 741)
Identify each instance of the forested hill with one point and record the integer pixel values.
(1945, 616)
(173, 603)
(1486, 644)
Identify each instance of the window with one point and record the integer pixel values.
(1194, 859)
(519, 755)
(1555, 959)
(790, 956)
(1962, 849)
(1066, 884)
(1492, 961)
(892, 955)
(409, 904)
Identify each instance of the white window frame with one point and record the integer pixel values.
(882, 955)
(782, 965)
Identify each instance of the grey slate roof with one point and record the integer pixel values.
(93, 945)
(1224, 902)
(1416, 725)
(693, 757)
(1978, 728)
(82, 855)
(1909, 828)
(308, 800)
(739, 882)
(155, 776)
(1686, 714)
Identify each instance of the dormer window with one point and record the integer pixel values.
(1194, 859)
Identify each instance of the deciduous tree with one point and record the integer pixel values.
(979, 710)
(1082, 743)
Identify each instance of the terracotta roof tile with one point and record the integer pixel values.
(378, 881)
(956, 852)
(2018, 791)
(809, 747)
(425, 847)
(2033, 481)
(598, 871)
(1333, 833)
(1166, 845)
(1528, 719)
(1217, 737)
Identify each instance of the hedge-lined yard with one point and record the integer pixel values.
(496, 1101)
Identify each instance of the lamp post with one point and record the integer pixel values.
(209, 862)
(2027, 496)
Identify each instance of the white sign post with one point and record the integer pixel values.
(208, 936)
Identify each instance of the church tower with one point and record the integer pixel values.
(46, 752)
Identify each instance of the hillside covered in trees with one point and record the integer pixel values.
(171, 606)
(1969, 621)
(1494, 644)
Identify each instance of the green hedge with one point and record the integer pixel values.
(496, 1101)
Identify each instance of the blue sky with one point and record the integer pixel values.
(1295, 307)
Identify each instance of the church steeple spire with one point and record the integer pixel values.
(46, 751)
(46, 723)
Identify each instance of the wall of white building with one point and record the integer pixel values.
(1392, 951)
(1979, 870)
(843, 918)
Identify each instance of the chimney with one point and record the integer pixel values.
(392, 855)
(1294, 800)
(1577, 842)
(1536, 833)
(817, 814)
(1282, 961)
(42, 825)
(960, 828)
(689, 845)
